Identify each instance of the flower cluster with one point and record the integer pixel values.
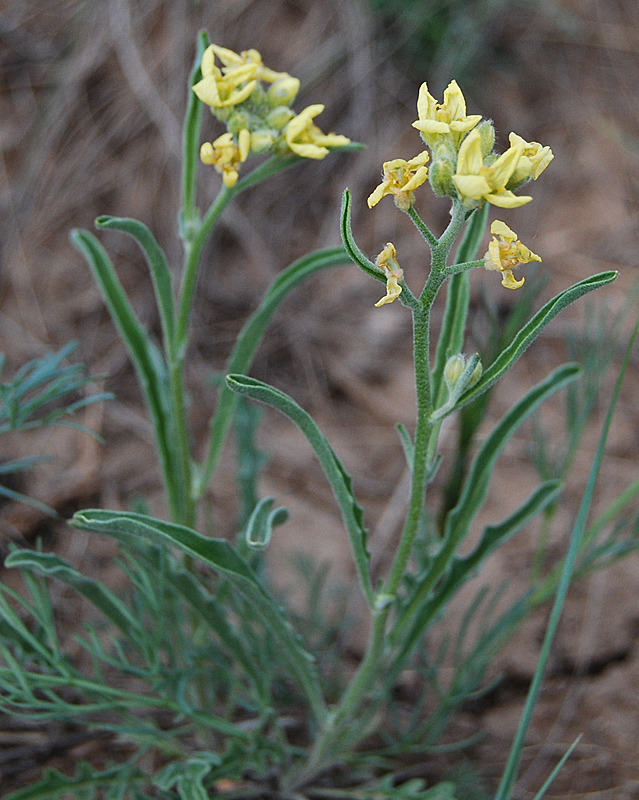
(259, 118)
(462, 165)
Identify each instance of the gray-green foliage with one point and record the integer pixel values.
(197, 662)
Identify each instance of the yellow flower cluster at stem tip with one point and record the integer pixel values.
(387, 262)
(444, 119)
(226, 156)
(259, 120)
(505, 252)
(400, 178)
(236, 80)
(306, 139)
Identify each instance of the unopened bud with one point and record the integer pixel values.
(280, 117)
(486, 136)
(262, 140)
(440, 176)
(283, 91)
(453, 370)
(237, 122)
(475, 375)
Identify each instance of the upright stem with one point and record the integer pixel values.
(327, 743)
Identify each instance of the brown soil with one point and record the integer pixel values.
(91, 101)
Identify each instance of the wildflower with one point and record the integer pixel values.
(387, 262)
(306, 139)
(447, 118)
(532, 162)
(476, 181)
(505, 253)
(226, 156)
(399, 178)
(235, 81)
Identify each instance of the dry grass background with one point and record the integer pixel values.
(91, 99)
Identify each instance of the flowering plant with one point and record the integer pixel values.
(215, 690)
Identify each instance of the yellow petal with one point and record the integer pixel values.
(473, 186)
(501, 229)
(381, 191)
(226, 56)
(244, 143)
(393, 291)
(506, 199)
(505, 165)
(206, 90)
(431, 126)
(470, 160)
(426, 103)
(418, 178)
(508, 280)
(454, 101)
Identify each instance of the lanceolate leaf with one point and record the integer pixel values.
(157, 266)
(221, 555)
(338, 477)
(531, 330)
(147, 360)
(350, 244)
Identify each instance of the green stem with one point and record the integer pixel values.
(325, 750)
(194, 248)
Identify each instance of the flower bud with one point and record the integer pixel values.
(283, 91)
(444, 151)
(280, 117)
(460, 374)
(453, 370)
(486, 136)
(237, 122)
(440, 176)
(475, 375)
(262, 140)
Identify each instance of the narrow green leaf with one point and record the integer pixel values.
(208, 608)
(531, 330)
(337, 476)
(463, 567)
(191, 144)
(149, 364)
(221, 555)
(576, 539)
(261, 522)
(249, 339)
(56, 786)
(51, 566)
(356, 255)
(546, 784)
(158, 268)
(460, 518)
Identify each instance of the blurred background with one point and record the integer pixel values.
(92, 97)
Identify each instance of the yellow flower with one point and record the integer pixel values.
(306, 139)
(387, 262)
(400, 178)
(447, 118)
(236, 80)
(533, 161)
(226, 156)
(476, 182)
(505, 253)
